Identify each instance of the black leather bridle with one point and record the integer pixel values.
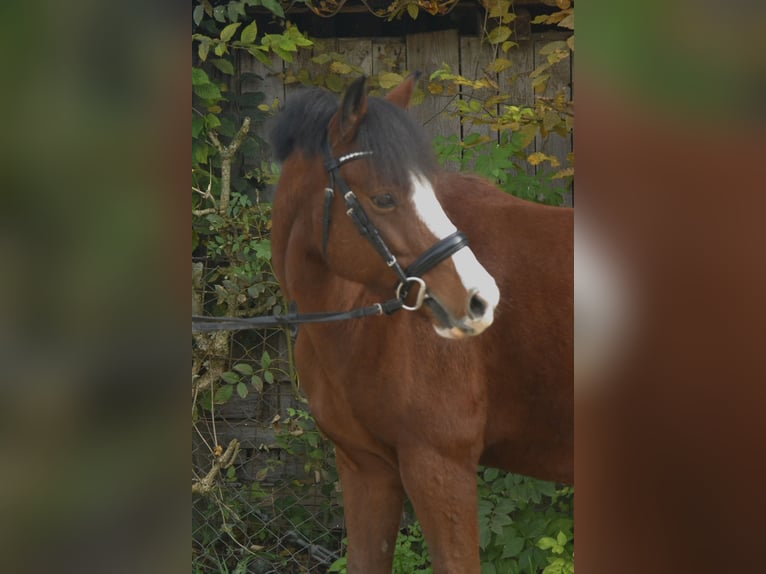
(408, 277)
(441, 250)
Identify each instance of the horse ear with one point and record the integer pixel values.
(353, 107)
(402, 94)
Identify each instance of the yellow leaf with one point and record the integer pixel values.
(566, 172)
(264, 107)
(202, 50)
(568, 22)
(528, 133)
(499, 65)
(334, 83)
(537, 158)
(540, 83)
(550, 120)
(340, 68)
(435, 88)
(552, 47)
(499, 34)
(570, 42)
(563, 4)
(508, 45)
(499, 8)
(412, 9)
(390, 80)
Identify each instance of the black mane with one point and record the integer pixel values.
(399, 144)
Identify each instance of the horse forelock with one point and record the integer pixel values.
(400, 146)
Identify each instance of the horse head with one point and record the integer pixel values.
(381, 164)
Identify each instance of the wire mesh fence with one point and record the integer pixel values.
(265, 492)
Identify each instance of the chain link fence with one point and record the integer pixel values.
(265, 492)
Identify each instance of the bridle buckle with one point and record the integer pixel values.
(422, 293)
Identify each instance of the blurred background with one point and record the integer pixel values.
(95, 247)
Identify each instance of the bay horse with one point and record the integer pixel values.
(476, 369)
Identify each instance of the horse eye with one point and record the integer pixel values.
(384, 201)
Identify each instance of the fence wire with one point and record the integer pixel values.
(265, 492)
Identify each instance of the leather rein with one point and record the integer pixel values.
(408, 277)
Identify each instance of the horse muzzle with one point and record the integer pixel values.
(478, 317)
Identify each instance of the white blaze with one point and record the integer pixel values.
(472, 274)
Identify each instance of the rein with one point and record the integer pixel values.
(441, 250)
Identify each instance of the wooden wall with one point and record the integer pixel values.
(427, 52)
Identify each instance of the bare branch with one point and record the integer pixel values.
(222, 462)
(227, 153)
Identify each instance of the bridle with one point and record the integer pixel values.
(408, 277)
(412, 275)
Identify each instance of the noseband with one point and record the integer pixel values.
(441, 250)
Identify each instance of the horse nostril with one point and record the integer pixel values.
(477, 306)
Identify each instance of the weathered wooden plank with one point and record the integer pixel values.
(357, 52)
(561, 78)
(389, 55)
(427, 53)
(475, 57)
(271, 76)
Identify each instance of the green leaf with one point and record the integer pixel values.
(230, 377)
(199, 77)
(257, 383)
(511, 542)
(269, 377)
(485, 507)
(485, 535)
(265, 360)
(224, 65)
(212, 121)
(498, 522)
(274, 6)
(197, 14)
(234, 10)
(208, 92)
(250, 32)
(284, 54)
(200, 152)
(242, 390)
(491, 474)
(197, 124)
(203, 49)
(244, 369)
(223, 394)
(228, 31)
(545, 543)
